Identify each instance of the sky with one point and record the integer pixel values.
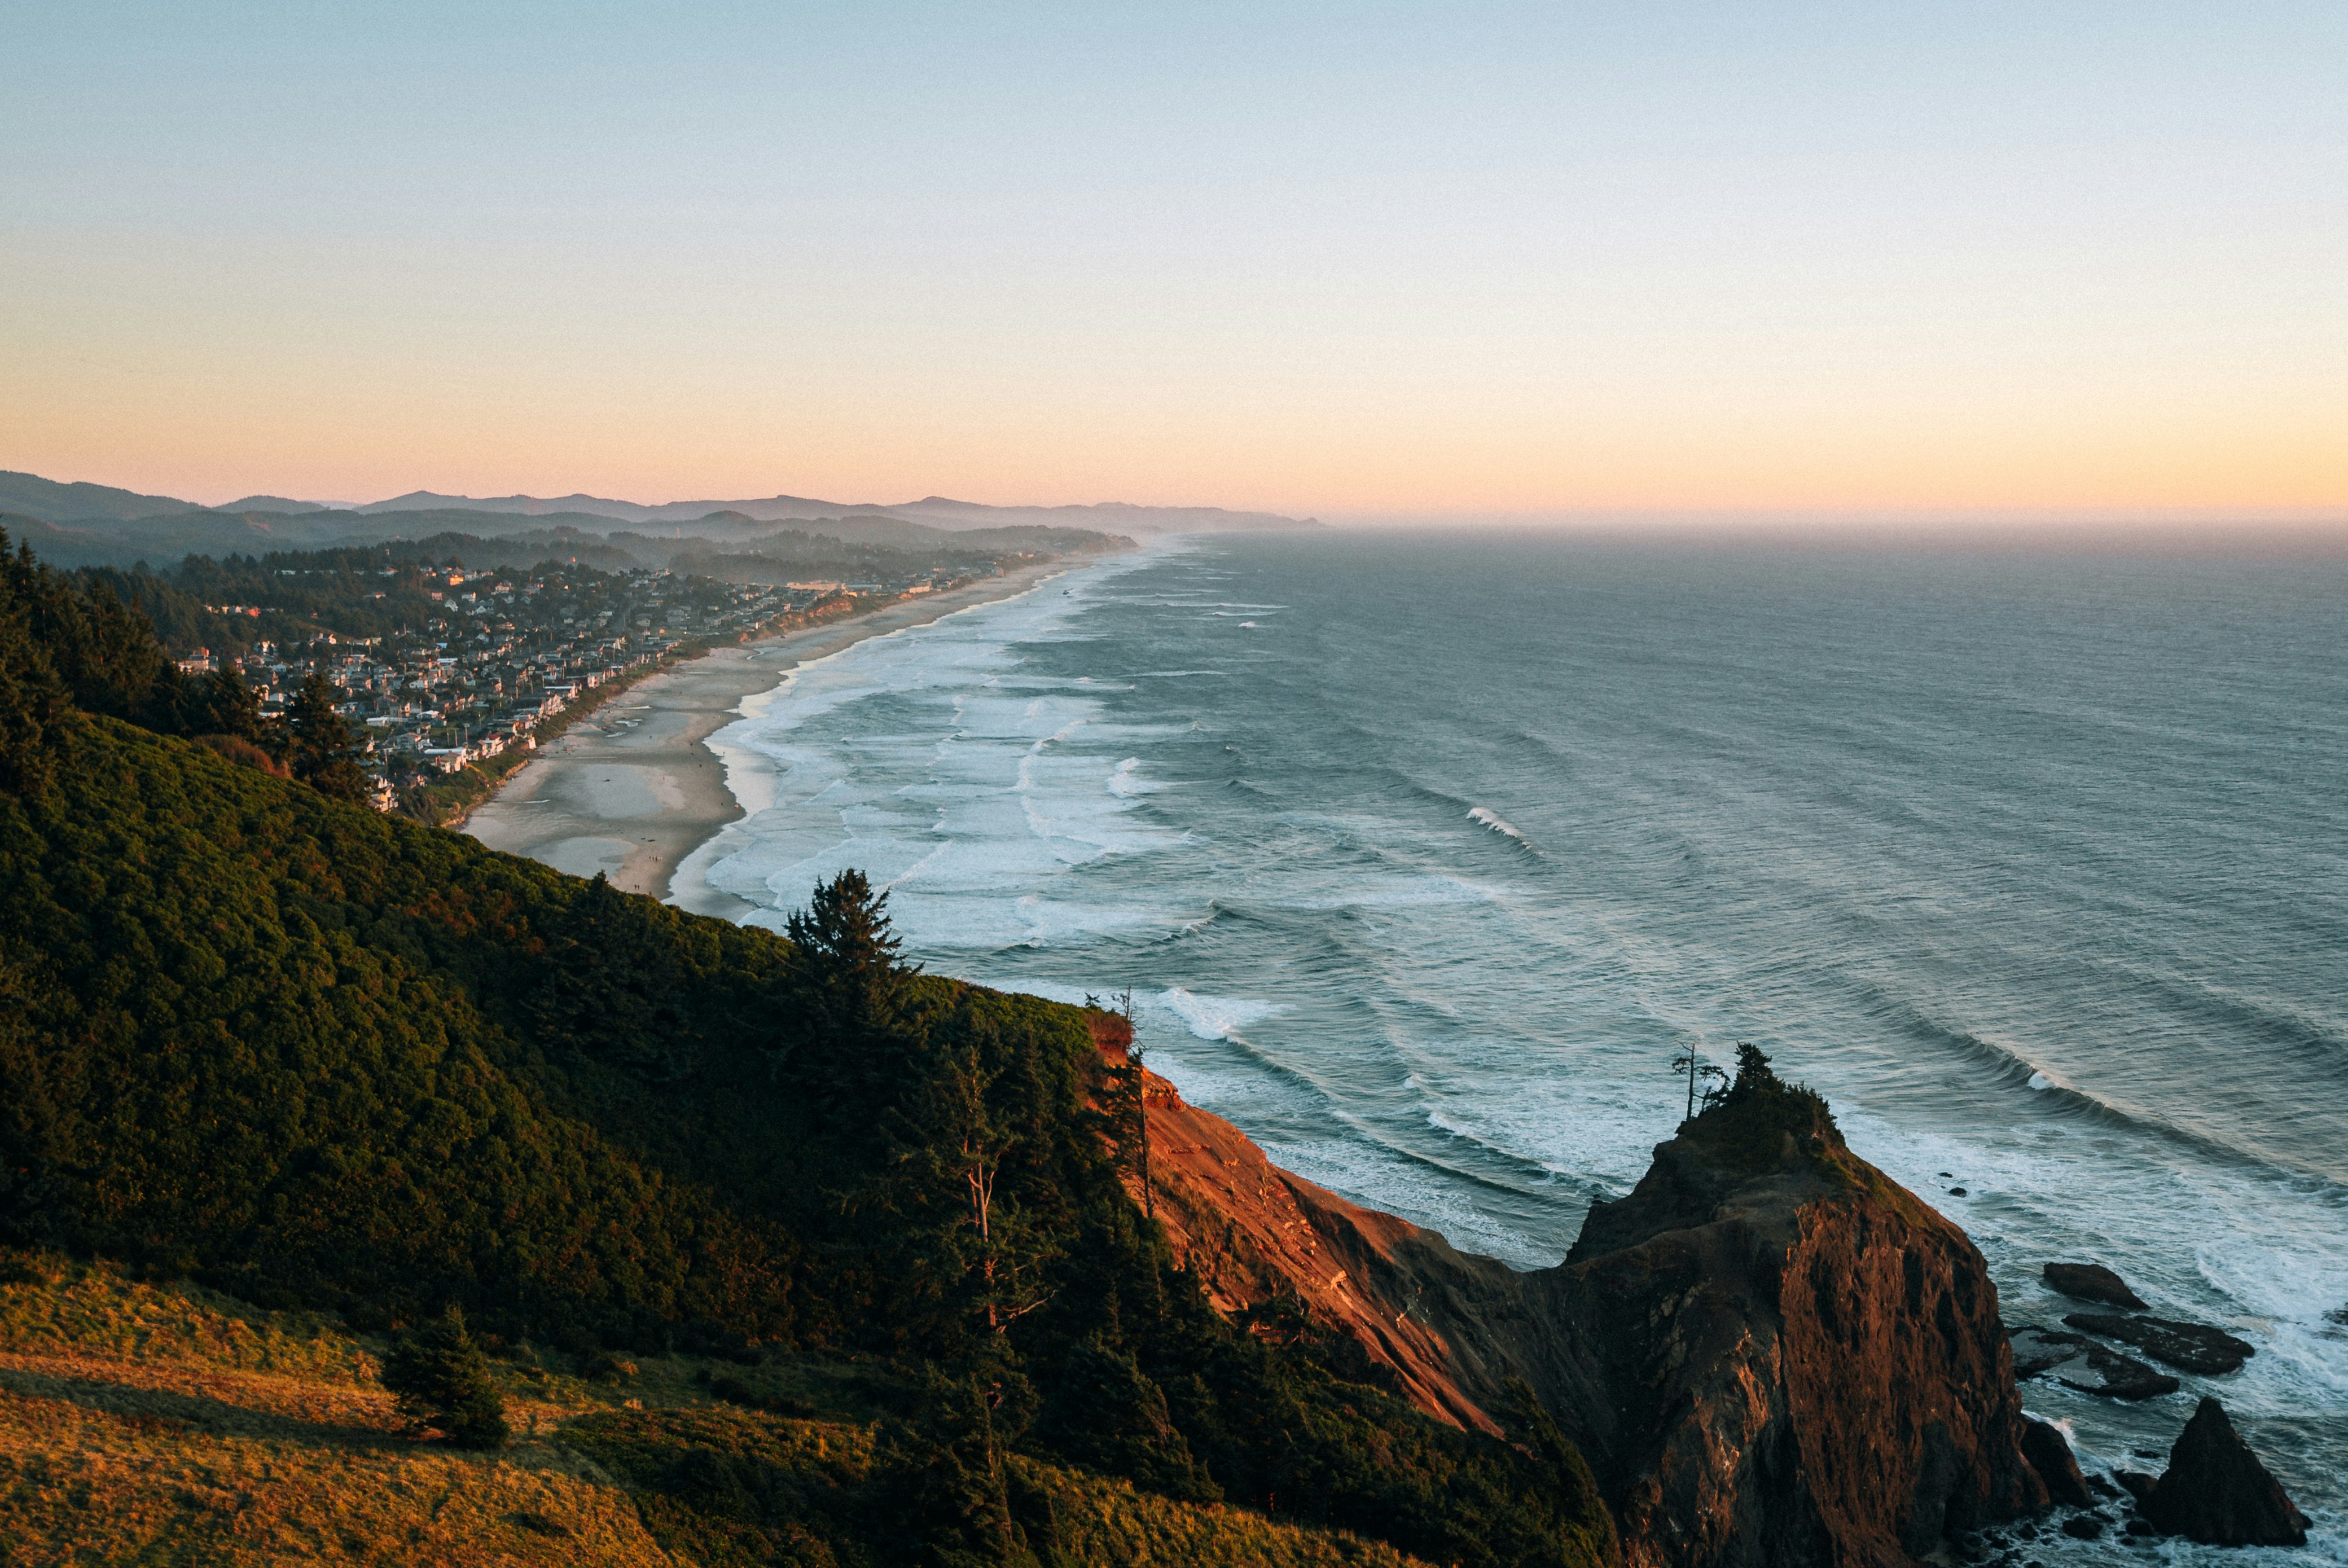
(1456, 259)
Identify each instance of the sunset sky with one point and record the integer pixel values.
(1356, 261)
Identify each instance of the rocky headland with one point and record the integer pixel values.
(1769, 1351)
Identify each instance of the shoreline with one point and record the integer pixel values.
(631, 790)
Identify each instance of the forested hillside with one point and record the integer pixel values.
(317, 1058)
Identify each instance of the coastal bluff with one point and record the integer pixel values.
(1770, 1352)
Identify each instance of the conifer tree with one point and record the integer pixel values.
(443, 1380)
(845, 970)
(324, 756)
(221, 703)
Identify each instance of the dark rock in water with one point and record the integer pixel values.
(2217, 1493)
(2338, 1315)
(2039, 1350)
(2078, 1362)
(2117, 1377)
(2137, 1484)
(1956, 1191)
(2050, 1455)
(2187, 1346)
(2084, 1527)
(2092, 1282)
(2142, 1527)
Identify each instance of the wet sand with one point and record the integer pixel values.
(630, 791)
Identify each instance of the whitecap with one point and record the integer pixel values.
(1498, 824)
(1215, 1018)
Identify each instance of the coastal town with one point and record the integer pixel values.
(505, 653)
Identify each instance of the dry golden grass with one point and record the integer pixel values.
(163, 1424)
(1108, 1522)
(58, 1305)
(83, 1486)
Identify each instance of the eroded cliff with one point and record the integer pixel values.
(1770, 1352)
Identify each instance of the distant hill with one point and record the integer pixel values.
(54, 503)
(162, 539)
(1115, 516)
(935, 511)
(310, 523)
(280, 503)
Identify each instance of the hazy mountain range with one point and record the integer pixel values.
(29, 495)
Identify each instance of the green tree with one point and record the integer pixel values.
(33, 700)
(845, 971)
(443, 1380)
(324, 754)
(221, 703)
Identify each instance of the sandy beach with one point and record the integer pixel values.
(631, 791)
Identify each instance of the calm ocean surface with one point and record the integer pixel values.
(1422, 858)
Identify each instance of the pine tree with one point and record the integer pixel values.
(324, 756)
(221, 703)
(33, 700)
(845, 970)
(443, 1380)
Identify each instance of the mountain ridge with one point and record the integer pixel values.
(63, 502)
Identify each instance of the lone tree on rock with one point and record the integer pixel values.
(443, 1380)
(1699, 1072)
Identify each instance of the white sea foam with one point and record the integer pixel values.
(1493, 821)
(1127, 782)
(1215, 1017)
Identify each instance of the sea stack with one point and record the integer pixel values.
(1772, 1355)
(1785, 1357)
(2217, 1492)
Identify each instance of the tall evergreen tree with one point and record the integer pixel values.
(32, 698)
(844, 970)
(221, 703)
(324, 754)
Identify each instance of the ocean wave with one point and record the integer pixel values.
(2010, 1068)
(1215, 1018)
(1126, 782)
(1496, 824)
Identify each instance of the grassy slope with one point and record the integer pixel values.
(145, 1422)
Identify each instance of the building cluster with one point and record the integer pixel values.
(510, 651)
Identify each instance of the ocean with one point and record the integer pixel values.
(1422, 856)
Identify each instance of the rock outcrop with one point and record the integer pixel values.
(2049, 1453)
(2078, 1362)
(2092, 1282)
(1770, 1353)
(2216, 1491)
(2187, 1346)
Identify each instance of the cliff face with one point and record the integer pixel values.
(1782, 1357)
(1769, 1351)
(1252, 1232)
